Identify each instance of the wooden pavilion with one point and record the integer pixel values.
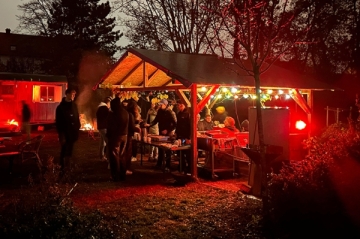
(150, 70)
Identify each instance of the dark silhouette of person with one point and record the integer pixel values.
(167, 123)
(183, 132)
(102, 113)
(67, 125)
(25, 119)
(116, 132)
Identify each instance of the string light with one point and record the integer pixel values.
(269, 91)
(233, 90)
(203, 89)
(224, 90)
(281, 92)
(246, 96)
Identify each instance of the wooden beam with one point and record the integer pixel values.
(299, 99)
(145, 75)
(130, 72)
(194, 150)
(206, 98)
(182, 96)
(152, 75)
(310, 102)
(140, 88)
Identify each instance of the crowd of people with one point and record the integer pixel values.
(118, 122)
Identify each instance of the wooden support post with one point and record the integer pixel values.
(194, 172)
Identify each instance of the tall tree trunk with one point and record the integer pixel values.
(262, 146)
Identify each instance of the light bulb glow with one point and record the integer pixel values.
(233, 90)
(224, 89)
(300, 125)
(281, 92)
(269, 91)
(246, 96)
(287, 97)
(203, 89)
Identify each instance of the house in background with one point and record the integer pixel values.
(43, 93)
(25, 63)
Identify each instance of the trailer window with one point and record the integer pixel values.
(7, 90)
(47, 94)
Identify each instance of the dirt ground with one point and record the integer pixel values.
(150, 203)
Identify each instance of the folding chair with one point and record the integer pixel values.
(29, 149)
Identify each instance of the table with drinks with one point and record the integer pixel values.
(163, 142)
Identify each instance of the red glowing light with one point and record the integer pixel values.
(300, 125)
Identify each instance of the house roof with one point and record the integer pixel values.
(32, 77)
(19, 45)
(166, 69)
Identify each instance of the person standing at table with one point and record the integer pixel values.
(167, 124)
(102, 113)
(134, 114)
(183, 132)
(151, 114)
(116, 132)
(26, 115)
(67, 125)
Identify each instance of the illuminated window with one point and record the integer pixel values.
(46, 93)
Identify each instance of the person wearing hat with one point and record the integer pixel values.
(102, 113)
(167, 124)
(229, 124)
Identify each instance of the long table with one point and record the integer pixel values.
(165, 145)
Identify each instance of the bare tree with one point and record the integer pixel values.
(256, 34)
(36, 14)
(172, 25)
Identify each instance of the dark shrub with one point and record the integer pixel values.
(45, 211)
(304, 198)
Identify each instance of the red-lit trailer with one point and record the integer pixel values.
(42, 93)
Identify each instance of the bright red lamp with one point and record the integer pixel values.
(300, 125)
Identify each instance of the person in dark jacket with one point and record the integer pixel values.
(183, 132)
(116, 132)
(167, 124)
(67, 125)
(26, 115)
(102, 113)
